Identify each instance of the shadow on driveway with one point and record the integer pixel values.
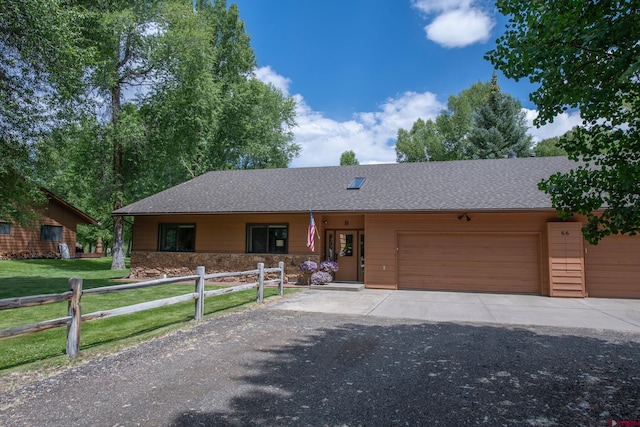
(267, 367)
(433, 374)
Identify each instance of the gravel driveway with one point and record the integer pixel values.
(265, 366)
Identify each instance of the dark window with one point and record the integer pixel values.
(177, 237)
(5, 229)
(51, 233)
(266, 238)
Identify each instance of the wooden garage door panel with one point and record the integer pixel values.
(478, 262)
(613, 267)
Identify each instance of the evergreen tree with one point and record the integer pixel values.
(446, 138)
(499, 128)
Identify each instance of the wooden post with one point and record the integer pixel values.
(75, 311)
(200, 291)
(281, 284)
(260, 281)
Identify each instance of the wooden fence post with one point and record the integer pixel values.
(281, 284)
(200, 291)
(260, 281)
(75, 311)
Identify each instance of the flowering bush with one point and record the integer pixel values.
(320, 277)
(308, 266)
(329, 266)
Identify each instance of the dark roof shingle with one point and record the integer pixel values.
(500, 184)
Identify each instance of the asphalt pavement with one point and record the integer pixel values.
(276, 365)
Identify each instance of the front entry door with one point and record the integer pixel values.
(346, 247)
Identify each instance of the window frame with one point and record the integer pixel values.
(249, 241)
(5, 226)
(163, 227)
(51, 235)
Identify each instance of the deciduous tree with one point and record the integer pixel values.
(584, 56)
(348, 158)
(422, 143)
(549, 147)
(41, 65)
(210, 112)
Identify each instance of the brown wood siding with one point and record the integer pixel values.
(381, 230)
(474, 262)
(566, 259)
(613, 267)
(222, 233)
(28, 239)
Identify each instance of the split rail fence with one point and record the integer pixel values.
(74, 317)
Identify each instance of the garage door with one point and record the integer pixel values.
(613, 267)
(477, 262)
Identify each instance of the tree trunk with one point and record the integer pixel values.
(117, 251)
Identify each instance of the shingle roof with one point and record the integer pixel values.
(501, 184)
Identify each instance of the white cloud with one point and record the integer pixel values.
(561, 124)
(436, 6)
(457, 23)
(371, 135)
(459, 28)
(267, 75)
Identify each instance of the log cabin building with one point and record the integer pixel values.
(56, 225)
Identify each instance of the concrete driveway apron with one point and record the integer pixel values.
(593, 313)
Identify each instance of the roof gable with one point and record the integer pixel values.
(82, 217)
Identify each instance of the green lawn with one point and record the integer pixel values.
(35, 277)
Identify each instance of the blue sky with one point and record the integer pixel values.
(362, 69)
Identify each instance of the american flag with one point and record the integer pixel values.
(311, 233)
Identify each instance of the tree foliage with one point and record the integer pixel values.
(210, 110)
(172, 95)
(549, 147)
(480, 122)
(456, 121)
(584, 56)
(422, 143)
(125, 36)
(499, 127)
(40, 76)
(348, 158)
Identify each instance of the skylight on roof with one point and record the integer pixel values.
(356, 183)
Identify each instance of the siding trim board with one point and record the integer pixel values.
(566, 259)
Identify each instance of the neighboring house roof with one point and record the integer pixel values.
(84, 218)
(467, 185)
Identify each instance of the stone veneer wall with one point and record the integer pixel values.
(153, 265)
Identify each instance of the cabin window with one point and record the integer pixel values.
(5, 229)
(177, 238)
(51, 233)
(267, 238)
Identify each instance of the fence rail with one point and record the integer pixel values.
(75, 317)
